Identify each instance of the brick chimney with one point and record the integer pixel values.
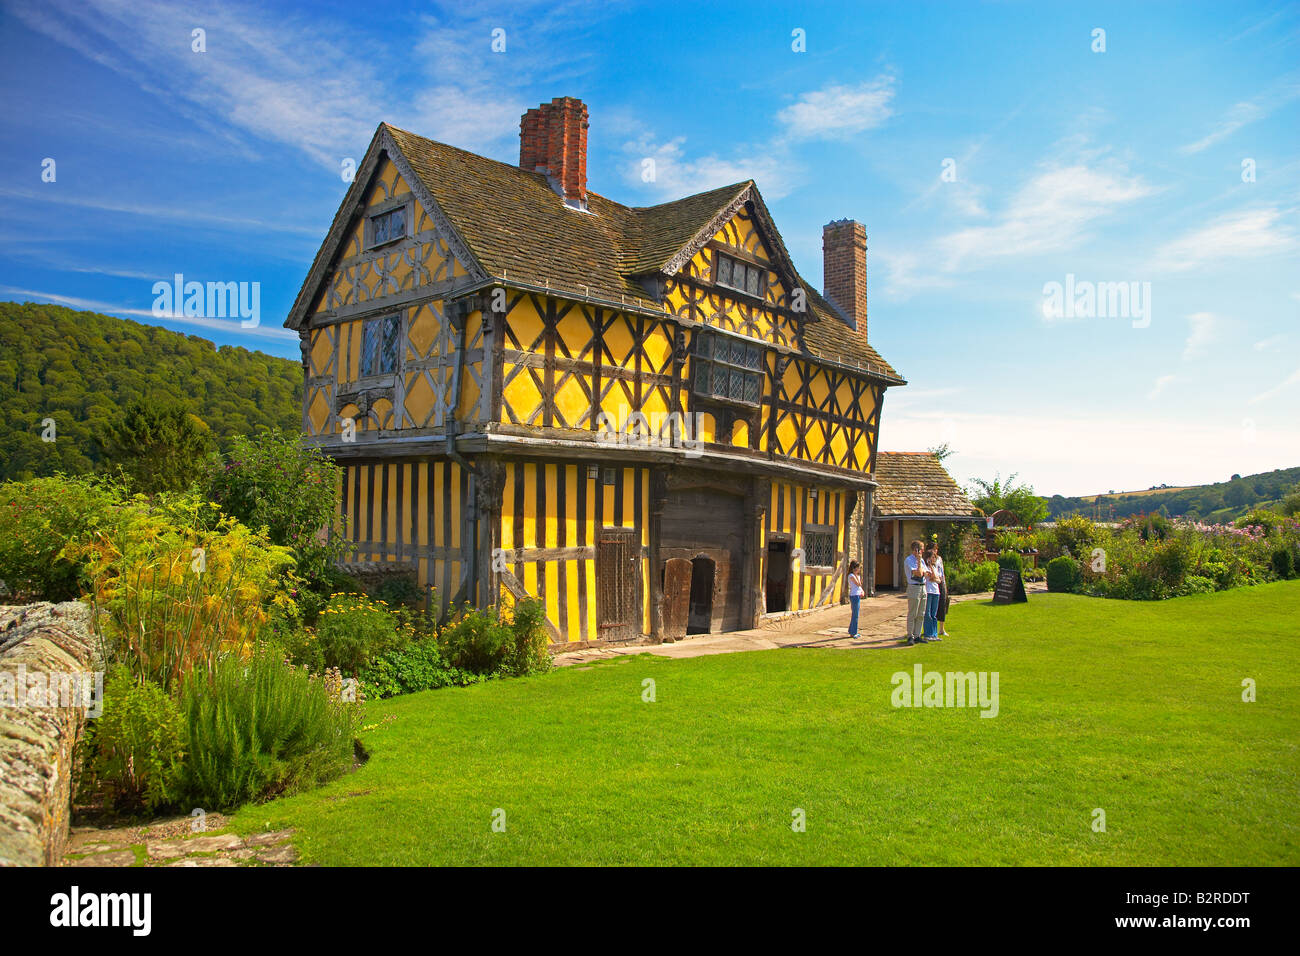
(553, 140)
(844, 269)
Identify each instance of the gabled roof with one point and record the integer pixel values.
(508, 224)
(915, 484)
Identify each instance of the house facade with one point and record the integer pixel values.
(644, 417)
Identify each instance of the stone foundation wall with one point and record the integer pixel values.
(38, 742)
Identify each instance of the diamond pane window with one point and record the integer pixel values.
(728, 369)
(379, 345)
(819, 548)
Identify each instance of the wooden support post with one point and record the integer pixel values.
(658, 497)
(872, 527)
(756, 520)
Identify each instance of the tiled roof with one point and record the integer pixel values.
(520, 230)
(915, 483)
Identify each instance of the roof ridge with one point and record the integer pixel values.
(731, 188)
(509, 224)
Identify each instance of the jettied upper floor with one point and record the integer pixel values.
(460, 305)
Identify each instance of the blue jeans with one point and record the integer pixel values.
(931, 615)
(855, 602)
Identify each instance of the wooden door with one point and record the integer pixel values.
(618, 585)
(677, 598)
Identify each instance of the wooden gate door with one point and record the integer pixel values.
(618, 585)
(677, 598)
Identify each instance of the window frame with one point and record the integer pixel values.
(366, 325)
(705, 360)
(748, 265)
(818, 529)
(382, 211)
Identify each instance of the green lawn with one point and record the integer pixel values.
(1134, 708)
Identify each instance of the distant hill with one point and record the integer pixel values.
(81, 368)
(1218, 502)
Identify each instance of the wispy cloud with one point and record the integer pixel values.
(180, 212)
(1205, 327)
(1248, 233)
(1278, 389)
(1272, 342)
(1246, 112)
(1050, 213)
(315, 84)
(1159, 385)
(837, 112)
(666, 170)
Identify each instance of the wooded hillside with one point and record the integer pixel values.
(82, 368)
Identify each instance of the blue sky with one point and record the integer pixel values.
(989, 149)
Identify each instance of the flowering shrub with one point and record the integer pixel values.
(178, 584)
(1077, 535)
(354, 629)
(493, 643)
(1150, 560)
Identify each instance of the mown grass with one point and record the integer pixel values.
(1133, 708)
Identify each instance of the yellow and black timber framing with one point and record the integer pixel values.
(652, 451)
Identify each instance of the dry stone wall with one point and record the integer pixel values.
(42, 647)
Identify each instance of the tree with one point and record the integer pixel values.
(158, 446)
(995, 495)
(275, 482)
(1238, 493)
(940, 451)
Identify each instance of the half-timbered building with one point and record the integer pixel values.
(643, 416)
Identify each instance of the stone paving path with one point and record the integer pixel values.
(171, 843)
(882, 623)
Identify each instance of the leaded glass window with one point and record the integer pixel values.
(741, 276)
(388, 226)
(818, 548)
(727, 368)
(379, 345)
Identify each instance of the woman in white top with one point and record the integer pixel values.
(933, 573)
(855, 596)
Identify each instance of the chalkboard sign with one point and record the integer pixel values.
(1010, 588)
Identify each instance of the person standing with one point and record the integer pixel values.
(855, 596)
(933, 574)
(914, 566)
(943, 595)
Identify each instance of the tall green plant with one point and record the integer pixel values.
(177, 586)
(260, 728)
(135, 747)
